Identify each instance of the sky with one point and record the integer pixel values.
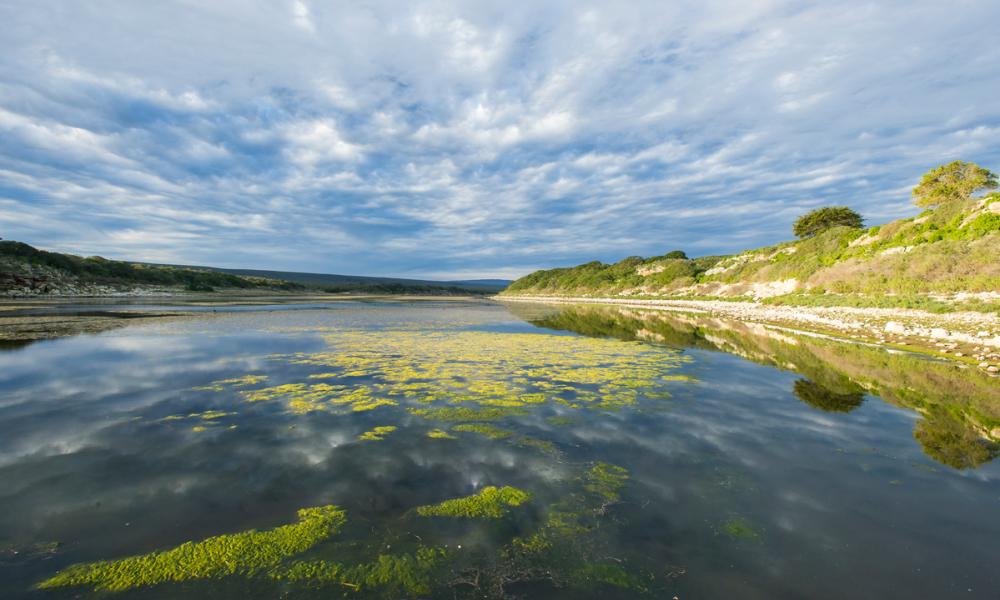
(457, 140)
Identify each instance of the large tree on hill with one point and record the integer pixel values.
(824, 218)
(956, 180)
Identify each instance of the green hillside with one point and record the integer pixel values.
(951, 248)
(25, 270)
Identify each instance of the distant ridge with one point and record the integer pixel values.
(28, 271)
(330, 279)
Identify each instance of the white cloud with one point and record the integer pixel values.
(302, 17)
(437, 137)
(318, 140)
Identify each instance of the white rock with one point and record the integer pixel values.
(894, 327)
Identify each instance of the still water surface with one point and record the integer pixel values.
(602, 453)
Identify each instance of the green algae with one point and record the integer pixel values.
(208, 415)
(305, 398)
(609, 574)
(461, 413)
(461, 378)
(606, 481)
(221, 384)
(494, 433)
(739, 529)
(544, 446)
(440, 434)
(394, 574)
(377, 434)
(502, 373)
(491, 502)
(248, 553)
(568, 549)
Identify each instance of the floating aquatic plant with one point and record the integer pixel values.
(505, 371)
(544, 445)
(606, 480)
(247, 553)
(494, 433)
(218, 386)
(461, 413)
(208, 415)
(377, 434)
(491, 502)
(737, 529)
(395, 574)
(440, 434)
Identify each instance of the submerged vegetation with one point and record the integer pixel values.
(494, 433)
(605, 480)
(466, 377)
(491, 502)
(565, 550)
(377, 434)
(497, 391)
(249, 553)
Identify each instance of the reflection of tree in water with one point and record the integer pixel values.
(960, 408)
(950, 441)
(817, 396)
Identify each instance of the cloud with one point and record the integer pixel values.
(464, 138)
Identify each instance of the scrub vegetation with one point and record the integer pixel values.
(28, 266)
(949, 248)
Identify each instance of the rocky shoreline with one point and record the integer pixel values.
(971, 338)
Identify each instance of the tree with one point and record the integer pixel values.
(824, 218)
(954, 181)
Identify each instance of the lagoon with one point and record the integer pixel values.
(392, 449)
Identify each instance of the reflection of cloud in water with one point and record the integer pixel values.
(738, 445)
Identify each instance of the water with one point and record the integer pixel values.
(647, 454)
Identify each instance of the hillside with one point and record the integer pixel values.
(948, 252)
(355, 282)
(28, 271)
(25, 270)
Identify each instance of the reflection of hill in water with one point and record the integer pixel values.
(960, 407)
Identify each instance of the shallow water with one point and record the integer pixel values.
(635, 454)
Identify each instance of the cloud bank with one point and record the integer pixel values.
(474, 139)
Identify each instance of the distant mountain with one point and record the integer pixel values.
(328, 280)
(499, 283)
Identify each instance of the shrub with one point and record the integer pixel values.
(824, 218)
(955, 181)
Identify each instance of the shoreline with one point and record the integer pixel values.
(970, 338)
(24, 321)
